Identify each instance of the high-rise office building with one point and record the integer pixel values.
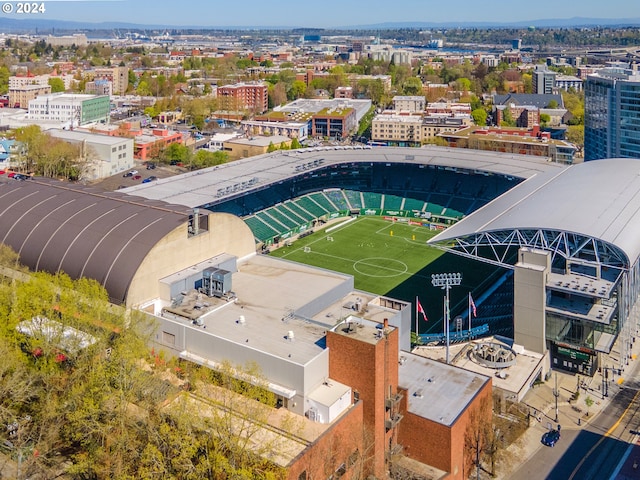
(543, 80)
(611, 113)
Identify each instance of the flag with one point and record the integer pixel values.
(472, 305)
(421, 310)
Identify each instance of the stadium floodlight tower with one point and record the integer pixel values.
(446, 281)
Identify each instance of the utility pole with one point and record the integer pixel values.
(446, 281)
(556, 394)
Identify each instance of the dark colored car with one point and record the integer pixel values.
(550, 438)
(151, 166)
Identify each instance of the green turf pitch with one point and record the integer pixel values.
(390, 259)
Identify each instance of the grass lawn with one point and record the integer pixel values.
(392, 259)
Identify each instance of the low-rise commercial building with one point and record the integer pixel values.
(72, 109)
(104, 155)
(250, 147)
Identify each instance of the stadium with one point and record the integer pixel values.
(549, 254)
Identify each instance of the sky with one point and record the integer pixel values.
(324, 14)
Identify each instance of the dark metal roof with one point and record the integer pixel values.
(539, 100)
(83, 231)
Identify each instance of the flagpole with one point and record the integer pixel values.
(469, 305)
(417, 333)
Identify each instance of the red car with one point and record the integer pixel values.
(137, 177)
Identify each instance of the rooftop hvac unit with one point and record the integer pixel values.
(216, 282)
(290, 335)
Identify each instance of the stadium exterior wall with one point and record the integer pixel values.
(176, 251)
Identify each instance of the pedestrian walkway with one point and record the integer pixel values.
(570, 413)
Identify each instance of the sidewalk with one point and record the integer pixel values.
(571, 415)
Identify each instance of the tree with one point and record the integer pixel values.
(589, 403)
(463, 84)
(479, 116)
(176, 152)
(575, 135)
(57, 85)
(412, 86)
(544, 119)
(205, 158)
(552, 104)
(295, 144)
(271, 147)
(298, 89)
(478, 436)
(507, 118)
(4, 79)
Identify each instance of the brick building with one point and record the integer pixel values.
(374, 380)
(249, 97)
(438, 413)
(524, 141)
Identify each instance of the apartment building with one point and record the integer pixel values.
(544, 80)
(249, 97)
(523, 141)
(118, 76)
(403, 129)
(409, 103)
(20, 96)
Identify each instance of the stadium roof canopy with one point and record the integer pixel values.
(82, 231)
(589, 211)
(216, 184)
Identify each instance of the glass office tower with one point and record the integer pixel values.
(612, 114)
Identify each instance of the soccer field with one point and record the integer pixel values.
(391, 259)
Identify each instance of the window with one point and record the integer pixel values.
(303, 476)
(168, 338)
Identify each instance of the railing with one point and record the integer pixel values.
(454, 337)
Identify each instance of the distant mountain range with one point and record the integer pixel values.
(14, 25)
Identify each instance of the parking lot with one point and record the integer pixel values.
(116, 182)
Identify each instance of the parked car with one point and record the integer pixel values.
(149, 179)
(151, 166)
(550, 438)
(137, 177)
(130, 173)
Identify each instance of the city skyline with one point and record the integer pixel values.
(332, 13)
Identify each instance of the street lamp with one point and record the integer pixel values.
(446, 281)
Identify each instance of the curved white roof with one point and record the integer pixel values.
(598, 199)
(198, 188)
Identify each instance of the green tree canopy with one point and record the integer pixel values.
(479, 116)
(57, 85)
